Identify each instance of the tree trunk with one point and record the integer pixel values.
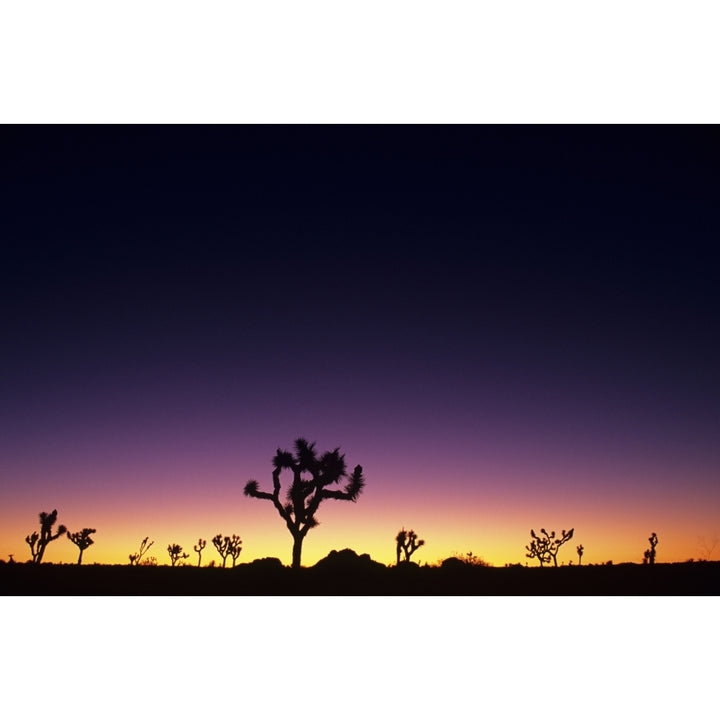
(297, 550)
(80, 557)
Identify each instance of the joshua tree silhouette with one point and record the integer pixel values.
(176, 553)
(199, 548)
(649, 555)
(407, 542)
(580, 551)
(39, 541)
(135, 558)
(228, 546)
(546, 547)
(708, 546)
(82, 539)
(235, 548)
(312, 477)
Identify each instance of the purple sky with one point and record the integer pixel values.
(507, 327)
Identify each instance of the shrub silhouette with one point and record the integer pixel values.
(469, 558)
(135, 558)
(580, 550)
(312, 478)
(228, 546)
(39, 541)
(649, 555)
(82, 539)
(176, 553)
(199, 548)
(547, 546)
(407, 542)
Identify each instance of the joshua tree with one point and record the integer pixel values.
(228, 546)
(39, 541)
(407, 542)
(580, 551)
(199, 548)
(547, 547)
(222, 546)
(649, 556)
(176, 553)
(135, 558)
(82, 539)
(312, 478)
(235, 548)
(708, 546)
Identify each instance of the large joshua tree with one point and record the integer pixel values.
(39, 541)
(312, 478)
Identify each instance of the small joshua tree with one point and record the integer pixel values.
(580, 551)
(312, 478)
(228, 546)
(407, 542)
(708, 546)
(135, 558)
(199, 548)
(176, 553)
(649, 555)
(545, 547)
(39, 541)
(222, 546)
(82, 539)
(235, 548)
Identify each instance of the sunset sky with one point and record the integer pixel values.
(508, 327)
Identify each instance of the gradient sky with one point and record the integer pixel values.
(507, 327)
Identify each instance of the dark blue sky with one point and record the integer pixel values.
(579, 245)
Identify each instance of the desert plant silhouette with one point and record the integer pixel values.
(312, 478)
(580, 550)
(82, 539)
(176, 553)
(649, 555)
(39, 541)
(199, 548)
(407, 542)
(235, 548)
(228, 546)
(135, 558)
(547, 546)
(469, 558)
(708, 546)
